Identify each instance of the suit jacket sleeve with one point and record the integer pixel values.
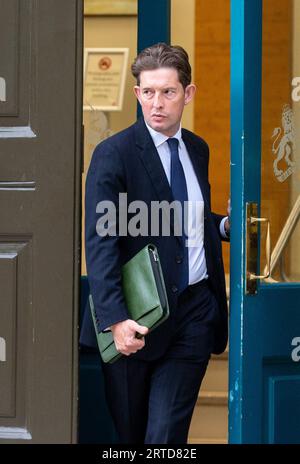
(216, 217)
(105, 180)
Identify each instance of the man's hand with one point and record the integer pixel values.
(125, 339)
(227, 222)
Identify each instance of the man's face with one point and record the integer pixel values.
(162, 99)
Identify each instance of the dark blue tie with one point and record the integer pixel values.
(179, 190)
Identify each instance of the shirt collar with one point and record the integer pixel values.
(159, 138)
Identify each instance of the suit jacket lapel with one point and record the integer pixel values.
(199, 165)
(152, 162)
(153, 165)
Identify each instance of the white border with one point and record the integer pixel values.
(108, 51)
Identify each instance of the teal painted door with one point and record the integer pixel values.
(264, 386)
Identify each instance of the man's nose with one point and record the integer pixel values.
(157, 102)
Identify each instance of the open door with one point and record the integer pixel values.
(40, 175)
(264, 390)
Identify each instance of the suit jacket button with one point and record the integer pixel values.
(174, 289)
(178, 259)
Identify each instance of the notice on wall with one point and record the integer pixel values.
(104, 78)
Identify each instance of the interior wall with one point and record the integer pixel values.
(212, 103)
(183, 34)
(116, 32)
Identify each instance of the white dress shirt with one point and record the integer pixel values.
(197, 261)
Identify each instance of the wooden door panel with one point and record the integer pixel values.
(40, 158)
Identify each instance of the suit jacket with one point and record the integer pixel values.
(128, 162)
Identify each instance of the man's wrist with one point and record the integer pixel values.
(223, 229)
(227, 227)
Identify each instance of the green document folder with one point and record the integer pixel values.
(145, 296)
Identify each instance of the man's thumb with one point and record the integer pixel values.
(141, 329)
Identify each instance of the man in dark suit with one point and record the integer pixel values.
(152, 389)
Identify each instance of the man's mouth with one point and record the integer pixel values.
(158, 116)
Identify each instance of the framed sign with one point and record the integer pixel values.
(104, 78)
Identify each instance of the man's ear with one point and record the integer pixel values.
(137, 92)
(189, 93)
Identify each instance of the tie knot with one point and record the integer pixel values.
(173, 144)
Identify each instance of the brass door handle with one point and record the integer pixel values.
(252, 248)
(268, 250)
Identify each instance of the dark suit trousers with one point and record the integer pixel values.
(153, 401)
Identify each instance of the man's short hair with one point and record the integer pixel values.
(162, 55)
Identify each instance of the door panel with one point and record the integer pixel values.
(264, 399)
(40, 135)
